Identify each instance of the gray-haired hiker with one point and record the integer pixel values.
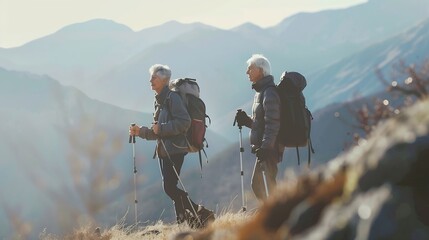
(171, 122)
(264, 125)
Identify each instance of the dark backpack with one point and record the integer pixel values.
(190, 92)
(295, 124)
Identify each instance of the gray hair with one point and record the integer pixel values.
(162, 71)
(262, 62)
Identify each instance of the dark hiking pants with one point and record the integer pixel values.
(270, 168)
(170, 181)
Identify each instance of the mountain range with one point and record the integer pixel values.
(67, 99)
(110, 62)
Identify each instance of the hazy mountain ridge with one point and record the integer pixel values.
(317, 39)
(304, 42)
(357, 74)
(362, 24)
(80, 52)
(196, 54)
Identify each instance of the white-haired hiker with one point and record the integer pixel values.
(264, 124)
(171, 122)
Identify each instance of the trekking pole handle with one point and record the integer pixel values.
(235, 119)
(133, 138)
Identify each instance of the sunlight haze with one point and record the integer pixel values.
(22, 21)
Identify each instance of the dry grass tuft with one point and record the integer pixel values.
(87, 233)
(225, 226)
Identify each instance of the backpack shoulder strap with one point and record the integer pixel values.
(310, 143)
(167, 103)
(167, 98)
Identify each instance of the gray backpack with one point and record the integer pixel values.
(190, 92)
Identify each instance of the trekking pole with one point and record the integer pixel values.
(241, 163)
(180, 181)
(132, 139)
(264, 177)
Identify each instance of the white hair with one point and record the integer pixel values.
(162, 71)
(262, 62)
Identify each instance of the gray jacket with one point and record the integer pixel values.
(265, 114)
(173, 121)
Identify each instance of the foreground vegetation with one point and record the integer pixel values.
(160, 230)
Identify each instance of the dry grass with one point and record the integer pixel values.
(225, 225)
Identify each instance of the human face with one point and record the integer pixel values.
(254, 73)
(157, 83)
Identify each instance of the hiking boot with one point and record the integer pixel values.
(181, 214)
(206, 216)
(191, 219)
(203, 218)
(180, 218)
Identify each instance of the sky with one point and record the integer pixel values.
(22, 21)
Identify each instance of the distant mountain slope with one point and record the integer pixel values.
(314, 40)
(80, 52)
(356, 74)
(204, 55)
(73, 53)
